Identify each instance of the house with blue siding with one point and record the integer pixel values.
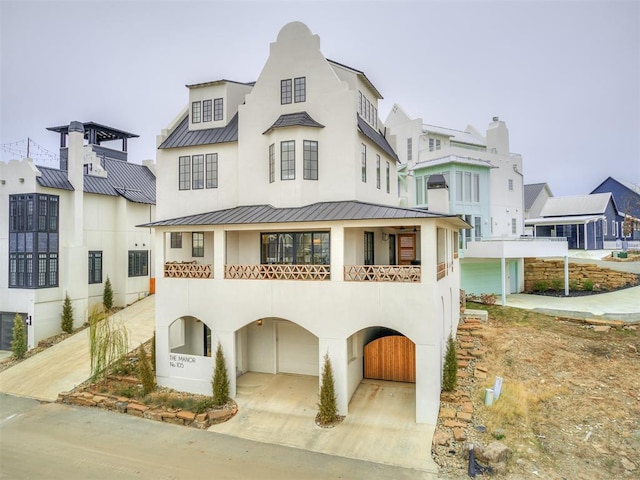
(626, 197)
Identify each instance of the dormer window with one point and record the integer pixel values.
(295, 90)
(196, 108)
(206, 111)
(367, 110)
(217, 109)
(434, 144)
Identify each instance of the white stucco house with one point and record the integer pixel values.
(486, 189)
(66, 229)
(280, 235)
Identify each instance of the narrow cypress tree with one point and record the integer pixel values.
(328, 405)
(220, 381)
(107, 295)
(145, 372)
(450, 373)
(153, 351)
(19, 341)
(66, 322)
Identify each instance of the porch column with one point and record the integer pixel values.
(160, 252)
(219, 248)
(337, 350)
(586, 238)
(503, 280)
(228, 342)
(566, 276)
(428, 383)
(337, 253)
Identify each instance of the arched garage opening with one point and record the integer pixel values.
(276, 345)
(389, 355)
(190, 336)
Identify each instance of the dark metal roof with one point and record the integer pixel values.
(316, 212)
(218, 82)
(531, 192)
(376, 137)
(298, 119)
(54, 178)
(134, 182)
(183, 137)
(362, 76)
(103, 132)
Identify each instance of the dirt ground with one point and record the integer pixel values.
(570, 403)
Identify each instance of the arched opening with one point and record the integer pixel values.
(190, 336)
(389, 355)
(276, 345)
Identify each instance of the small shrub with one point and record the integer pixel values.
(557, 284)
(220, 381)
(126, 390)
(328, 405)
(450, 369)
(573, 285)
(145, 372)
(540, 286)
(19, 341)
(66, 322)
(107, 295)
(587, 285)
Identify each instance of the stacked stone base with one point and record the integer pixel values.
(159, 414)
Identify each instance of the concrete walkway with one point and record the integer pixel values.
(619, 305)
(380, 427)
(67, 364)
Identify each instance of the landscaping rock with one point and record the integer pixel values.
(440, 438)
(494, 453)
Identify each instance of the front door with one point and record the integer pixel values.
(392, 250)
(407, 248)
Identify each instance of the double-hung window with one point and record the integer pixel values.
(95, 267)
(272, 163)
(197, 244)
(388, 175)
(310, 154)
(285, 91)
(206, 110)
(300, 89)
(197, 172)
(196, 112)
(288, 160)
(211, 170)
(217, 109)
(176, 239)
(138, 263)
(184, 173)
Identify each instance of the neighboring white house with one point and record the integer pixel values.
(67, 229)
(535, 196)
(280, 236)
(486, 188)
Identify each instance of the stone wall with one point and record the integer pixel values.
(126, 405)
(548, 270)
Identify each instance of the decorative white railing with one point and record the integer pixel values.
(278, 272)
(186, 270)
(382, 273)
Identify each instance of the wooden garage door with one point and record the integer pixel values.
(390, 358)
(297, 350)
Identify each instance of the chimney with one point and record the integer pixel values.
(498, 137)
(75, 173)
(438, 194)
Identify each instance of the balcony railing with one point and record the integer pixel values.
(186, 270)
(278, 272)
(382, 273)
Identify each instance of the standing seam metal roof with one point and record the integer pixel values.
(53, 178)
(316, 212)
(183, 137)
(298, 119)
(376, 137)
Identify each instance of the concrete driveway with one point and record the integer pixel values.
(281, 409)
(67, 364)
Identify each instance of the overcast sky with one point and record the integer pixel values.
(564, 76)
